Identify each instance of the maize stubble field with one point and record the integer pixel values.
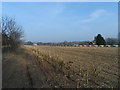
(61, 67)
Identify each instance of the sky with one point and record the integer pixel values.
(64, 21)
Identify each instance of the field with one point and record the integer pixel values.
(61, 67)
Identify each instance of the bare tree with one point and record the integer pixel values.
(112, 41)
(11, 33)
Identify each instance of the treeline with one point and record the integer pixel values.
(11, 34)
(65, 43)
(98, 40)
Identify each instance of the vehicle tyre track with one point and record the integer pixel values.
(29, 77)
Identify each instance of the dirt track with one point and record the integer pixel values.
(21, 72)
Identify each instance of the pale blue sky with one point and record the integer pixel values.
(60, 21)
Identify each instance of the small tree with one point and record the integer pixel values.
(111, 41)
(119, 38)
(100, 40)
(11, 33)
(29, 43)
(65, 43)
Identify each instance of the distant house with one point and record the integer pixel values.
(108, 45)
(92, 43)
(76, 45)
(115, 45)
(101, 45)
(35, 44)
(95, 45)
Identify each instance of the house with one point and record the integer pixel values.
(80, 45)
(85, 45)
(76, 45)
(108, 45)
(101, 45)
(115, 45)
(92, 43)
(35, 44)
(95, 45)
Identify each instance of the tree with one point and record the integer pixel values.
(111, 41)
(100, 40)
(65, 43)
(11, 33)
(29, 43)
(119, 38)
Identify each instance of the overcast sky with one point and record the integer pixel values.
(60, 21)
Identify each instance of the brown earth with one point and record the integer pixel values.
(59, 67)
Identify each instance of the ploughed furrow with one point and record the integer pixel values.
(72, 67)
(102, 81)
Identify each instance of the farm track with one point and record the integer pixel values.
(29, 77)
(39, 67)
(22, 73)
